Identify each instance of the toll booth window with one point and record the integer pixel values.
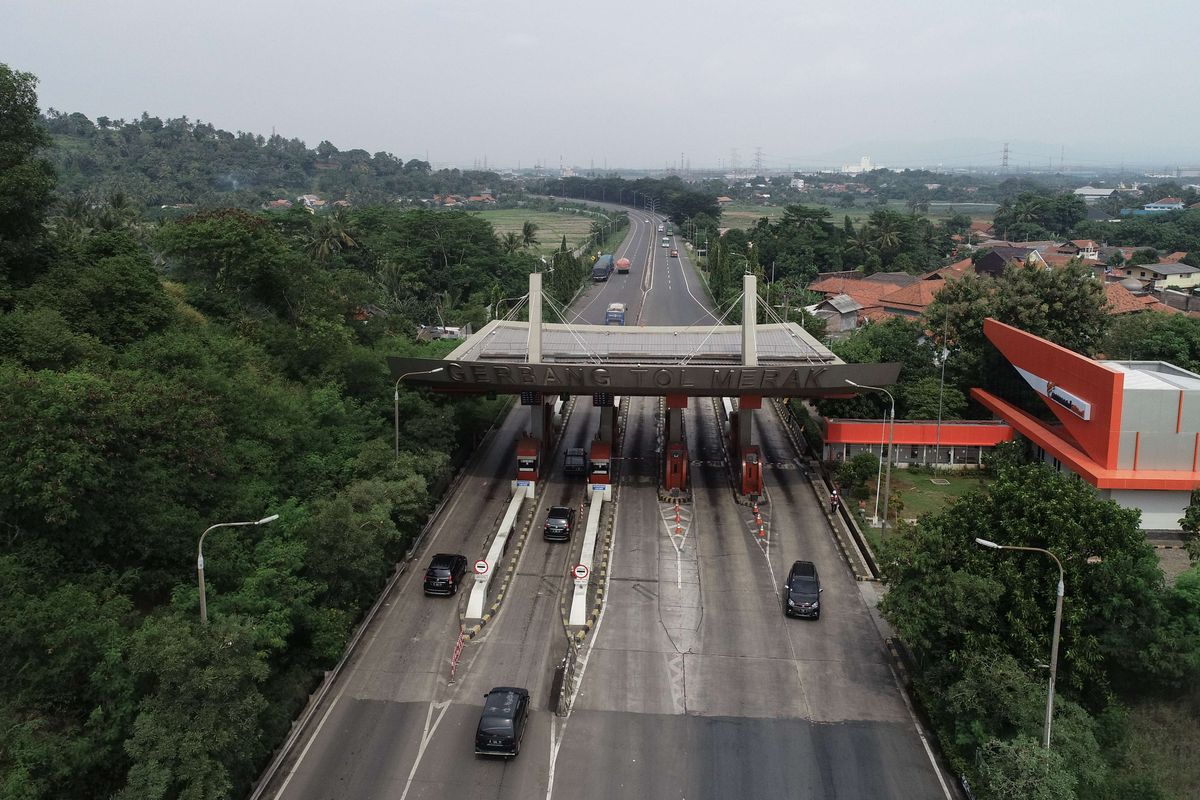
(599, 467)
(527, 463)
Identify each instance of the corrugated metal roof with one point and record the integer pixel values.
(1155, 375)
(508, 341)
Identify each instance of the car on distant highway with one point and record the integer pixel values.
(445, 573)
(802, 591)
(502, 723)
(560, 521)
(674, 253)
(661, 228)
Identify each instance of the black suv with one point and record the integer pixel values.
(445, 573)
(802, 592)
(502, 723)
(559, 524)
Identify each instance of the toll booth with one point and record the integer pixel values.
(675, 462)
(676, 467)
(751, 472)
(600, 469)
(529, 461)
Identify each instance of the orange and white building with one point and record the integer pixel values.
(1129, 428)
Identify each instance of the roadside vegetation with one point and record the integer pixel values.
(156, 379)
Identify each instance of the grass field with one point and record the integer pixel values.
(920, 495)
(552, 226)
(740, 215)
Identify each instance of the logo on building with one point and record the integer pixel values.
(1051, 391)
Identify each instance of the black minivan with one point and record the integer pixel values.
(802, 592)
(502, 723)
(560, 521)
(445, 573)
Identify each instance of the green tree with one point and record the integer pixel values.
(1023, 768)
(924, 397)
(529, 234)
(26, 179)
(196, 734)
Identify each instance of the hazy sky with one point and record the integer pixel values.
(637, 84)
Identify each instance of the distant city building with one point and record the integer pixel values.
(864, 165)
(1092, 194)
(796, 183)
(1165, 204)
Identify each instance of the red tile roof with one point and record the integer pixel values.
(1122, 301)
(915, 297)
(867, 293)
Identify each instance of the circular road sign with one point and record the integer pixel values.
(481, 567)
(580, 572)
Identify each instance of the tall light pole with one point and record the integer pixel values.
(1057, 625)
(200, 557)
(887, 491)
(937, 449)
(396, 400)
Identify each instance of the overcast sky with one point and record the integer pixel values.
(641, 83)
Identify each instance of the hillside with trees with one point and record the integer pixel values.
(156, 162)
(156, 379)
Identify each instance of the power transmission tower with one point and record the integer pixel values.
(758, 161)
(733, 160)
(1004, 159)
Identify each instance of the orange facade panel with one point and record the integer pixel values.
(1051, 366)
(953, 433)
(1080, 462)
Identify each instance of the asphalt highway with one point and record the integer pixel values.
(692, 683)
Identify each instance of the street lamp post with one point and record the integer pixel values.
(887, 490)
(1058, 605)
(937, 449)
(396, 400)
(200, 557)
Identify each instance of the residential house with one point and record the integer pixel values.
(912, 300)
(277, 205)
(1160, 276)
(311, 201)
(1127, 297)
(1083, 248)
(840, 313)
(995, 260)
(724, 201)
(982, 229)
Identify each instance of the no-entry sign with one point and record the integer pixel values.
(580, 572)
(481, 567)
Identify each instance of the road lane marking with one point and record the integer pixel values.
(426, 735)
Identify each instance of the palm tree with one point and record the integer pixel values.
(330, 235)
(886, 234)
(510, 242)
(861, 243)
(529, 234)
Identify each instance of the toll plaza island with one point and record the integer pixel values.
(545, 364)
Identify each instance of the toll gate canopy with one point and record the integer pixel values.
(784, 361)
